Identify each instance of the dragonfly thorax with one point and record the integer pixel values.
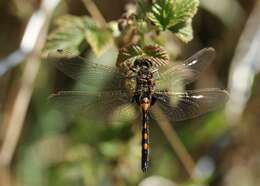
(140, 81)
(145, 81)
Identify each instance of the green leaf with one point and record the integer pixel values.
(143, 6)
(184, 33)
(175, 16)
(67, 35)
(161, 14)
(99, 39)
(184, 10)
(74, 34)
(128, 53)
(154, 53)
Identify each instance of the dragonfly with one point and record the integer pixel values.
(142, 84)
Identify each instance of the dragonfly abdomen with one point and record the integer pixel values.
(145, 144)
(145, 105)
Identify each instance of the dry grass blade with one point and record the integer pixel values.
(5, 177)
(174, 140)
(22, 100)
(94, 12)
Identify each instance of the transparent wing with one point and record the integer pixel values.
(95, 104)
(191, 104)
(88, 73)
(188, 71)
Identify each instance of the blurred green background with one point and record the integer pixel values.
(55, 151)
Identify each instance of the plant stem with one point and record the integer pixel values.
(24, 91)
(174, 140)
(94, 12)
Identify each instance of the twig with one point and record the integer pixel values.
(94, 12)
(97, 16)
(15, 124)
(30, 36)
(5, 177)
(19, 109)
(174, 140)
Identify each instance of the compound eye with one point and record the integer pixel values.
(146, 63)
(137, 63)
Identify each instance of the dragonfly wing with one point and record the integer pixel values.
(199, 61)
(86, 103)
(188, 71)
(191, 104)
(88, 73)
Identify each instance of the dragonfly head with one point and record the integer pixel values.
(142, 63)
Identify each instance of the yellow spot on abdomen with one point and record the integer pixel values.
(145, 104)
(145, 136)
(145, 146)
